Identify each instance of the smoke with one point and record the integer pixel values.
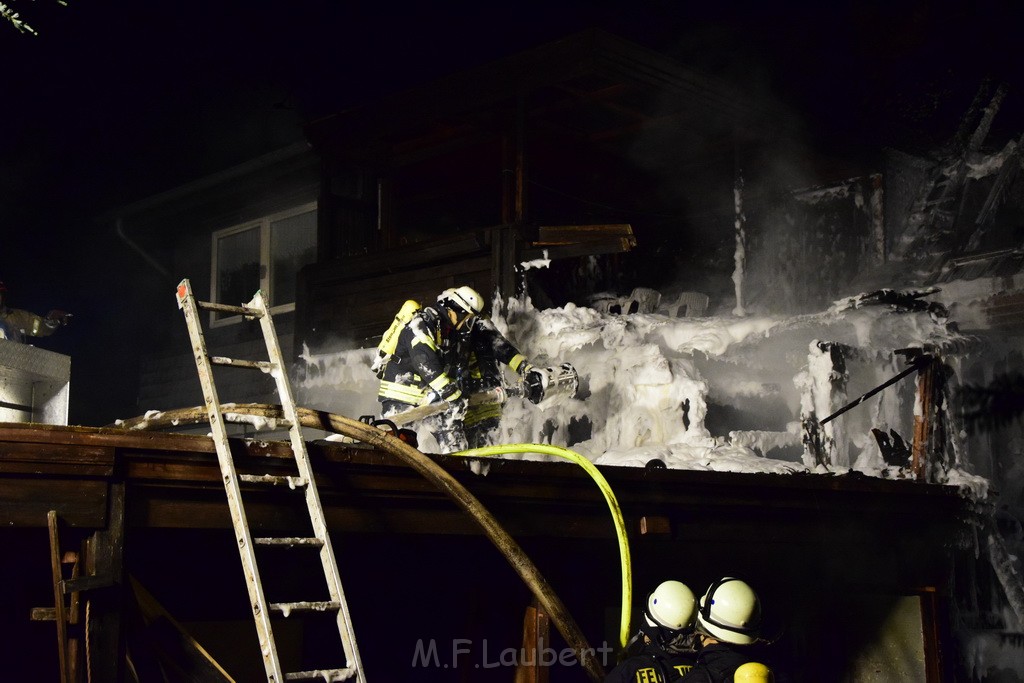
(335, 376)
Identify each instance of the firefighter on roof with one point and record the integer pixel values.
(442, 353)
(16, 324)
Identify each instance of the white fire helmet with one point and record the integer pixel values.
(466, 299)
(730, 612)
(671, 605)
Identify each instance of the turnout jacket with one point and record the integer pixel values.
(652, 665)
(716, 663)
(434, 360)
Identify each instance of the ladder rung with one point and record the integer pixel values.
(225, 308)
(273, 480)
(326, 674)
(288, 540)
(286, 608)
(264, 365)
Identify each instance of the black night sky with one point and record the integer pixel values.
(117, 100)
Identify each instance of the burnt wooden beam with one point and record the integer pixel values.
(105, 565)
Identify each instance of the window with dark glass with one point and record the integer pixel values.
(266, 255)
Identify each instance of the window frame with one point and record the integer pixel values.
(266, 264)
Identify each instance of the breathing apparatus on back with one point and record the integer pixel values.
(389, 340)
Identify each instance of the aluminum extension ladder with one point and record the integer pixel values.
(304, 481)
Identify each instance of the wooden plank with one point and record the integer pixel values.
(60, 614)
(165, 470)
(655, 525)
(536, 638)
(86, 583)
(551, 235)
(29, 458)
(98, 436)
(370, 479)
(25, 501)
(595, 248)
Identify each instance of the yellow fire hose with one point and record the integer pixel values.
(609, 496)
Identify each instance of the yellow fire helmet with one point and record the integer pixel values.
(753, 672)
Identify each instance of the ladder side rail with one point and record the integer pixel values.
(257, 602)
(312, 496)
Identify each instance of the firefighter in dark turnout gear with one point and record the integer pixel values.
(663, 649)
(728, 621)
(435, 360)
(488, 351)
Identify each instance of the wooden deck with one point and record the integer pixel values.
(830, 537)
(174, 476)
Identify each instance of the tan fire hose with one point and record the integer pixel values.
(360, 431)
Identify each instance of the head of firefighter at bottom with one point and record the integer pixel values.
(728, 626)
(663, 648)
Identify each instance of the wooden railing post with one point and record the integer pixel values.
(929, 420)
(536, 637)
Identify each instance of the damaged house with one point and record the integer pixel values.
(776, 382)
